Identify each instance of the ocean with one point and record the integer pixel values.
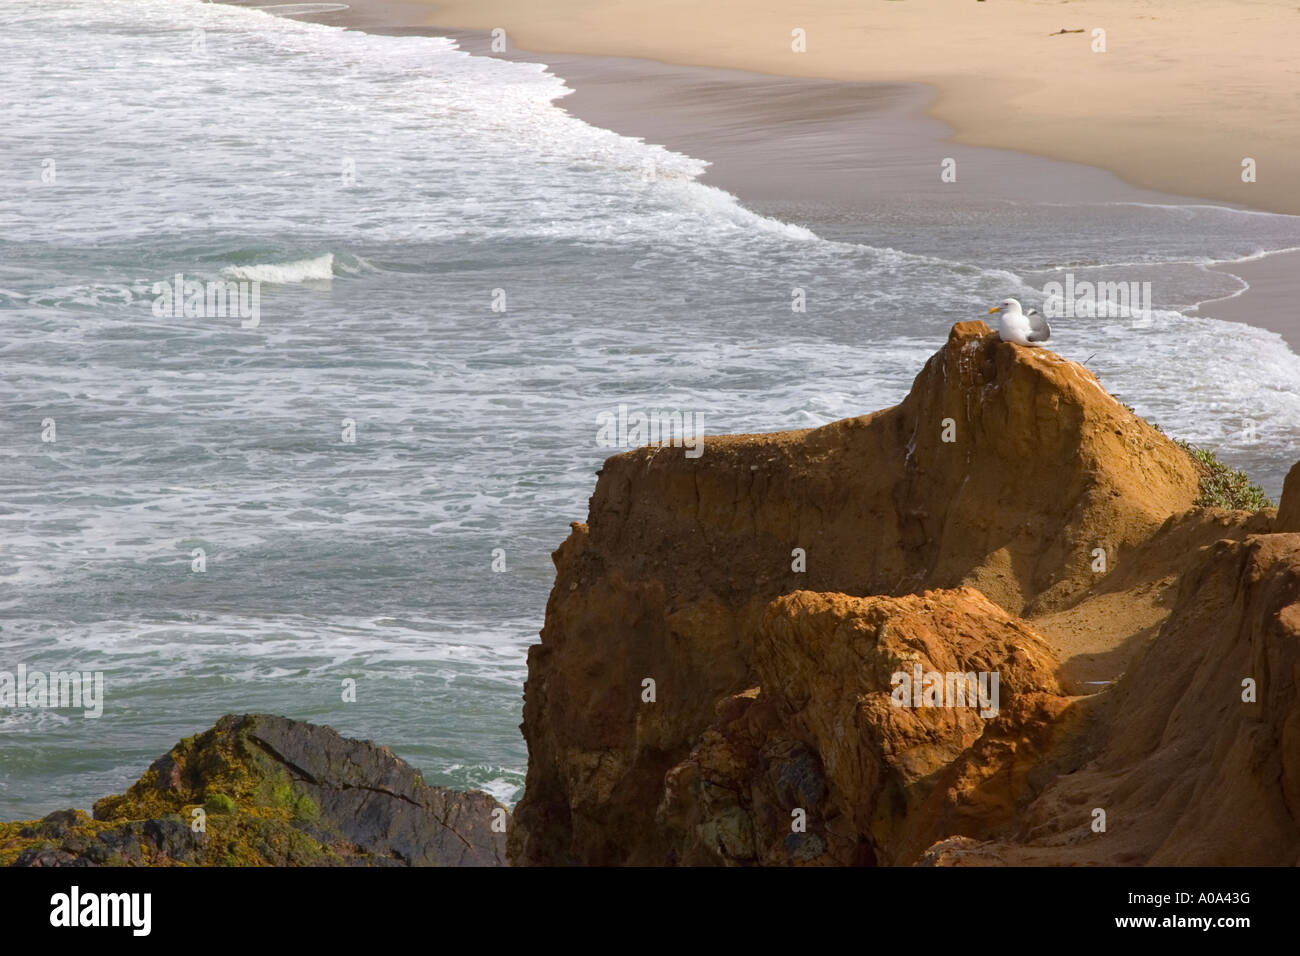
(231, 513)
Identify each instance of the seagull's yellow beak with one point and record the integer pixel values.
(996, 308)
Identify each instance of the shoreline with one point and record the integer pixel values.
(1151, 104)
(1270, 287)
(818, 151)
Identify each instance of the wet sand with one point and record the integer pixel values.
(1272, 299)
(1170, 94)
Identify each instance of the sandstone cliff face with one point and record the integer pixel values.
(989, 492)
(820, 738)
(273, 792)
(1043, 467)
(1288, 510)
(1191, 765)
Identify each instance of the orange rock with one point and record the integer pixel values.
(822, 765)
(1187, 771)
(1288, 511)
(691, 683)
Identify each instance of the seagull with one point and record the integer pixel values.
(1023, 328)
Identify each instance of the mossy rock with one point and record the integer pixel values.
(275, 792)
(220, 803)
(305, 810)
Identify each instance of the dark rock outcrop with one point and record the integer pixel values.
(263, 790)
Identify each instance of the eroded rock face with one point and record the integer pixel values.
(819, 765)
(275, 792)
(1185, 770)
(1288, 510)
(681, 586)
(1043, 467)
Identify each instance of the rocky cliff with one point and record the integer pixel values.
(714, 679)
(259, 790)
(1196, 759)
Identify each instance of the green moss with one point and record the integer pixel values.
(276, 790)
(257, 815)
(305, 810)
(219, 803)
(1223, 486)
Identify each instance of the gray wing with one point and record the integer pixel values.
(1039, 330)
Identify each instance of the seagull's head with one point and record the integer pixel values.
(1008, 305)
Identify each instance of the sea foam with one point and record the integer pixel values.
(321, 268)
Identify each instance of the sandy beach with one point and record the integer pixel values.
(825, 134)
(1182, 94)
(781, 143)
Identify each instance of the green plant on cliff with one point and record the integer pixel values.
(1223, 486)
(276, 790)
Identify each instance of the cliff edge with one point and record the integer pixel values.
(714, 679)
